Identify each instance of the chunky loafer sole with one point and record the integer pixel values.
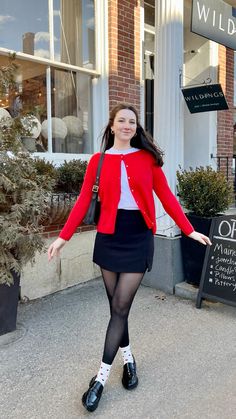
(92, 396)
(89, 408)
(130, 387)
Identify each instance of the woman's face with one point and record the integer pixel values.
(124, 125)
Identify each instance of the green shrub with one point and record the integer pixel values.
(204, 191)
(46, 170)
(70, 176)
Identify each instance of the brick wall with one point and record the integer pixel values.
(124, 52)
(54, 230)
(225, 119)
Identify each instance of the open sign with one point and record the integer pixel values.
(218, 280)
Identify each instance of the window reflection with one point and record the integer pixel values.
(149, 12)
(74, 32)
(24, 26)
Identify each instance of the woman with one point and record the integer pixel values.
(123, 248)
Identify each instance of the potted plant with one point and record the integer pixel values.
(23, 203)
(205, 194)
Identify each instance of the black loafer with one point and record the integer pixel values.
(130, 379)
(92, 396)
(92, 381)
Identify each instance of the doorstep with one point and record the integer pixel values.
(185, 290)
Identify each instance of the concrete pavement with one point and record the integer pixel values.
(186, 358)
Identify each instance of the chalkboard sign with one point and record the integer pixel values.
(218, 280)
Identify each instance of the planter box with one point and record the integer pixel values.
(167, 268)
(74, 266)
(193, 252)
(9, 297)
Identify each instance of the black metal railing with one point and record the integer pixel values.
(60, 205)
(228, 165)
(234, 173)
(63, 197)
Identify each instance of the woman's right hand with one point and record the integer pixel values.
(195, 235)
(55, 247)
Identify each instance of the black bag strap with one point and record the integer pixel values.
(95, 187)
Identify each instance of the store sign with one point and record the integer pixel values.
(205, 98)
(215, 20)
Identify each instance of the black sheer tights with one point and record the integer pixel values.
(121, 289)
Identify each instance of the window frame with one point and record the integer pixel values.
(99, 77)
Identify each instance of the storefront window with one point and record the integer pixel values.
(28, 98)
(71, 112)
(24, 26)
(74, 32)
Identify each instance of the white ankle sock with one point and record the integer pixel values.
(103, 373)
(127, 354)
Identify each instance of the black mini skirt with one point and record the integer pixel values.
(129, 249)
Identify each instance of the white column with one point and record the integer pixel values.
(100, 85)
(142, 97)
(168, 101)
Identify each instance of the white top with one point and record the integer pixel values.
(127, 200)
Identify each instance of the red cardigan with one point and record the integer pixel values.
(144, 176)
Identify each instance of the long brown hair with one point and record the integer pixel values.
(142, 139)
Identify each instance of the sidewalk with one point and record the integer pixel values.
(186, 358)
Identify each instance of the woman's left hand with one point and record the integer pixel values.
(201, 238)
